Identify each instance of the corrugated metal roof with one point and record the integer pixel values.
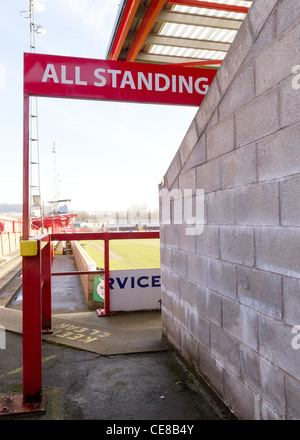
(178, 34)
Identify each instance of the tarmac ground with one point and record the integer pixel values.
(109, 368)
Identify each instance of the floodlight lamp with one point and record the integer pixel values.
(39, 29)
(38, 6)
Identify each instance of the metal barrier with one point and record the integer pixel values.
(37, 309)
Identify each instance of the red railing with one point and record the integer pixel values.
(37, 306)
(10, 224)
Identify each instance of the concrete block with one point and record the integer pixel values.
(213, 307)
(199, 328)
(264, 379)
(180, 262)
(220, 138)
(222, 277)
(171, 236)
(208, 243)
(264, 39)
(289, 103)
(212, 370)
(167, 301)
(187, 180)
(240, 322)
(208, 107)
(198, 154)
(173, 170)
(275, 345)
(260, 290)
(187, 292)
(189, 348)
(237, 244)
(188, 142)
(225, 349)
(170, 281)
(288, 12)
(164, 323)
(277, 250)
(197, 268)
(278, 155)
(166, 256)
(258, 204)
(214, 119)
(240, 398)
(201, 300)
(235, 56)
(268, 413)
(186, 242)
(181, 313)
(292, 394)
(173, 333)
(239, 167)
(257, 119)
(291, 301)
(290, 201)
(221, 207)
(281, 56)
(240, 92)
(209, 176)
(259, 14)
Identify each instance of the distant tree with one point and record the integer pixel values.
(138, 211)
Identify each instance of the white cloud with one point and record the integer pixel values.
(97, 18)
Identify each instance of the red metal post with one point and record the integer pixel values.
(128, 16)
(106, 276)
(152, 13)
(32, 325)
(26, 221)
(46, 289)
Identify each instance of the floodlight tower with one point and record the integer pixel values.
(35, 209)
(55, 191)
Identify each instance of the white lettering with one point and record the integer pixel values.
(158, 87)
(64, 79)
(156, 82)
(142, 78)
(77, 77)
(127, 80)
(296, 339)
(50, 73)
(174, 88)
(296, 79)
(114, 74)
(205, 87)
(188, 86)
(102, 79)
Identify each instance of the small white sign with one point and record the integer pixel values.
(136, 289)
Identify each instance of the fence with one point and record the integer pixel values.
(37, 312)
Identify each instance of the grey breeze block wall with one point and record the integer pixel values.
(231, 296)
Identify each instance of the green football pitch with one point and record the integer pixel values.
(125, 254)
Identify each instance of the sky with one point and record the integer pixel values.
(109, 155)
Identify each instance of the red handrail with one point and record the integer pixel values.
(37, 307)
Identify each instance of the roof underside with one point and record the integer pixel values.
(183, 32)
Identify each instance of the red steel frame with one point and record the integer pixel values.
(37, 310)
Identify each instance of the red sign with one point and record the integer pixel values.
(83, 78)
